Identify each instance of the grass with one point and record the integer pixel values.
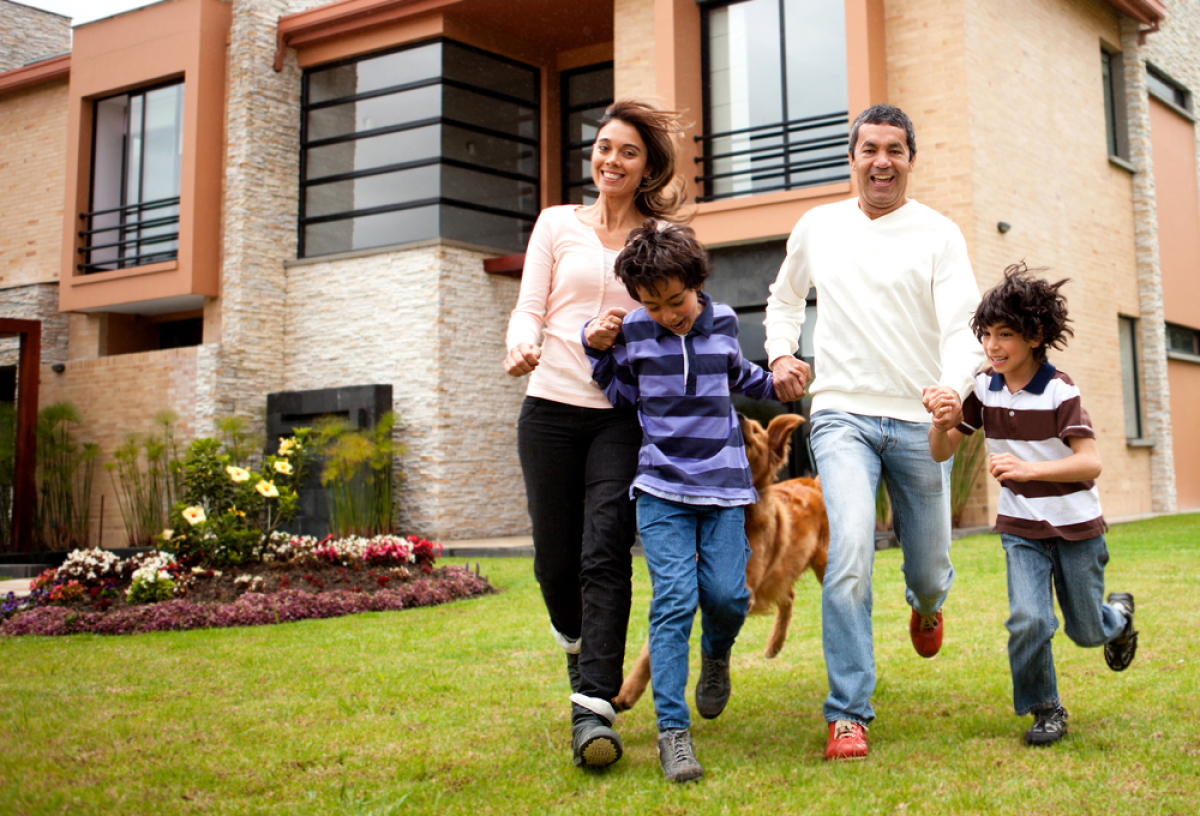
(462, 709)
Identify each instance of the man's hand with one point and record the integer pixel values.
(790, 378)
(1004, 466)
(945, 406)
(521, 359)
(601, 333)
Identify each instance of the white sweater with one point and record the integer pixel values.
(895, 295)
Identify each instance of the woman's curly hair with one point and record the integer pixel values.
(1027, 304)
(655, 253)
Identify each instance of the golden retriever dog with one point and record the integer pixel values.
(788, 533)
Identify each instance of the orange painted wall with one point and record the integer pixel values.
(1178, 207)
(1185, 429)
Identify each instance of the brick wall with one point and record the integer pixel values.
(633, 49)
(118, 396)
(33, 133)
(431, 323)
(27, 34)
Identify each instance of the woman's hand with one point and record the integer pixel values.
(601, 333)
(521, 359)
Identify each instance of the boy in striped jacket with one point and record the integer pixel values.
(1042, 450)
(677, 360)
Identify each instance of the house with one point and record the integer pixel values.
(205, 202)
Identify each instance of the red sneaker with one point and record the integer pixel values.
(847, 740)
(926, 632)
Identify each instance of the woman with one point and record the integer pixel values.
(578, 453)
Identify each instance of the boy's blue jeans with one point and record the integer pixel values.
(697, 556)
(1076, 569)
(853, 452)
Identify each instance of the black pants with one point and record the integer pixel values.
(578, 463)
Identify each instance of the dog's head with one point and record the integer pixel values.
(767, 448)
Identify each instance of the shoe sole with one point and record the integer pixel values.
(708, 713)
(1114, 661)
(1043, 740)
(599, 752)
(686, 776)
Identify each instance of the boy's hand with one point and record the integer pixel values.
(943, 403)
(521, 359)
(1004, 466)
(601, 333)
(789, 377)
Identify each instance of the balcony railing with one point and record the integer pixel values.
(780, 156)
(133, 235)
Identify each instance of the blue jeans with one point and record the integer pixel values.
(853, 452)
(697, 556)
(1076, 569)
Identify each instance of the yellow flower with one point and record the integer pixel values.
(195, 515)
(284, 468)
(286, 446)
(167, 533)
(237, 474)
(267, 489)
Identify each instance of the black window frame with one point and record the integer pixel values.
(569, 180)
(1135, 377)
(1162, 86)
(140, 258)
(304, 221)
(784, 128)
(1116, 120)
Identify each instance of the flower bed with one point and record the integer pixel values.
(292, 578)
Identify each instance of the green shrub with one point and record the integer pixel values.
(146, 494)
(66, 468)
(357, 475)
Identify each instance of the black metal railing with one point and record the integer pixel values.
(778, 156)
(134, 237)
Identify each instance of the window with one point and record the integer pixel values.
(1131, 378)
(433, 140)
(1182, 340)
(137, 152)
(775, 96)
(586, 92)
(1167, 89)
(1116, 130)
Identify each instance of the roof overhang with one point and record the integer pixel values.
(1147, 12)
(343, 18)
(35, 73)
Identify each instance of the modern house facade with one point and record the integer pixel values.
(205, 202)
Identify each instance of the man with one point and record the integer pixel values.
(896, 294)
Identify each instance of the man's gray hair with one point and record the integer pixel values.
(885, 115)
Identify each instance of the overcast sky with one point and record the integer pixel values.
(84, 11)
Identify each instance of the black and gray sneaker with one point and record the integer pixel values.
(594, 744)
(1049, 725)
(1118, 653)
(677, 756)
(712, 689)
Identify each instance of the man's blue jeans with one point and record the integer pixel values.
(1076, 569)
(697, 556)
(853, 452)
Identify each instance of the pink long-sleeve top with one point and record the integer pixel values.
(568, 280)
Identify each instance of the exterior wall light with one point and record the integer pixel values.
(1004, 227)
(58, 368)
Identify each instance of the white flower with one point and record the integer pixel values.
(267, 489)
(195, 515)
(167, 533)
(284, 468)
(237, 474)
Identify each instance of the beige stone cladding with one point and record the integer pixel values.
(430, 322)
(33, 144)
(28, 34)
(118, 396)
(35, 302)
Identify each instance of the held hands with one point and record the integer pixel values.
(945, 406)
(601, 333)
(790, 378)
(521, 359)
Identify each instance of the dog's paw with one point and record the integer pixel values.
(771, 652)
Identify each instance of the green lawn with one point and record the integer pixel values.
(463, 709)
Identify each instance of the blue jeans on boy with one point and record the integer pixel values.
(853, 453)
(697, 556)
(1076, 569)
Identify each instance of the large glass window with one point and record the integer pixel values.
(775, 95)
(137, 152)
(586, 93)
(435, 140)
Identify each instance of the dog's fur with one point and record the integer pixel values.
(788, 533)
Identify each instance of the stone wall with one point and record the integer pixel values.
(33, 162)
(36, 302)
(28, 34)
(430, 322)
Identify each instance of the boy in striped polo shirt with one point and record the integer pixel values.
(1043, 452)
(677, 359)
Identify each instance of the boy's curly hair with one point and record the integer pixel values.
(1027, 304)
(656, 252)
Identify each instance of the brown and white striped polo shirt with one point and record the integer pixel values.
(1033, 425)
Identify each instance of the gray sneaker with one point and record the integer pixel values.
(1049, 725)
(1118, 653)
(677, 757)
(712, 689)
